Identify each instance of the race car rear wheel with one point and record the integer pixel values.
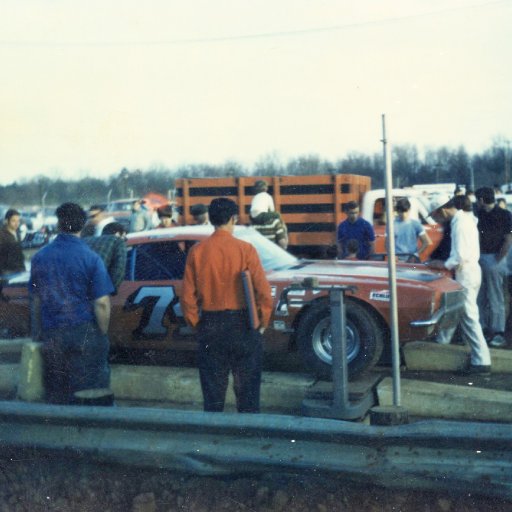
(364, 339)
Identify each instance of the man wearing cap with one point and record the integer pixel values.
(70, 290)
(200, 214)
(213, 301)
(165, 216)
(463, 260)
(495, 227)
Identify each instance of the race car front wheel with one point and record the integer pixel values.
(364, 339)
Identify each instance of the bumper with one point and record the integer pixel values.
(448, 314)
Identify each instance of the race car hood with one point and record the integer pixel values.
(357, 269)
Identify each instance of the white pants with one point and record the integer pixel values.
(470, 278)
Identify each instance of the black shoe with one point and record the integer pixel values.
(477, 369)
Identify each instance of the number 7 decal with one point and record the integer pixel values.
(156, 302)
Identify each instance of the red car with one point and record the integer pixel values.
(146, 312)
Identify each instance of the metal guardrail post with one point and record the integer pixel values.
(341, 406)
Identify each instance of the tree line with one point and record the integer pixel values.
(441, 165)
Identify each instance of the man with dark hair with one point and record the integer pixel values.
(200, 214)
(356, 228)
(352, 249)
(495, 227)
(11, 254)
(165, 216)
(463, 261)
(111, 248)
(70, 290)
(140, 218)
(408, 231)
(213, 286)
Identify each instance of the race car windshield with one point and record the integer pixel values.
(271, 255)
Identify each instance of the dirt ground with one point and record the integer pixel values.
(32, 483)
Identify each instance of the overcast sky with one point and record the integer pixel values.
(90, 87)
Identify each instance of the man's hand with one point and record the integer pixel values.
(102, 313)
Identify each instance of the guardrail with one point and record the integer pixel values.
(464, 457)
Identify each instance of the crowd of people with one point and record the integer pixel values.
(73, 278)
(476, 242)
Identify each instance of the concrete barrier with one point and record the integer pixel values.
(449, 401)
(166, 384)
(180, 386)
(30, 379)
(429, 356)
(13, 346)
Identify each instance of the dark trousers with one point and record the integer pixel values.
(226, 343)
(75, 358)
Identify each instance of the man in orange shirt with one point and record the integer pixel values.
(213, 286)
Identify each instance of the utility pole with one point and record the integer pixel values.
(390, 233)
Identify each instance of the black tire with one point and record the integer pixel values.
(365, 339)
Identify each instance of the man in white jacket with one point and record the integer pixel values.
(463, 260)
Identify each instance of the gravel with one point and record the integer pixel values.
(32, 482)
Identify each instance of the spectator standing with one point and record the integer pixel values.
(355, 227)
(495, 227)
(98, 219)
(262, 202)
(111, 248)
(463, 260)
(140, 219)
(200, 214)
(11, 254)
(408, 231)
(213, 285)
(70, 290)
(271, 226)
(165, 216)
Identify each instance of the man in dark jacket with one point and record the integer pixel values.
(11, 254)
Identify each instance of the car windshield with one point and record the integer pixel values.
(271, 255)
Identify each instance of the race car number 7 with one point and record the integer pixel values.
(156, 302)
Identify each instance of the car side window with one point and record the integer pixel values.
(158, 261)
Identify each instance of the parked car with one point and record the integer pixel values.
(146, 312)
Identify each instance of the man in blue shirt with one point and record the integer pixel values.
(408, 232)
(355, 228)
(70, 290)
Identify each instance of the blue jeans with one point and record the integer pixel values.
(226, 343)
(491, 301)
(75, 358)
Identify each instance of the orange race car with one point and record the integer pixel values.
(146, 312)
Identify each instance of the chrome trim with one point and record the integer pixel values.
(448, 313)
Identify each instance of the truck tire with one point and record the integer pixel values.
(364, 339)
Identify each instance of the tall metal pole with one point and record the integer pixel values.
(390, 232)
